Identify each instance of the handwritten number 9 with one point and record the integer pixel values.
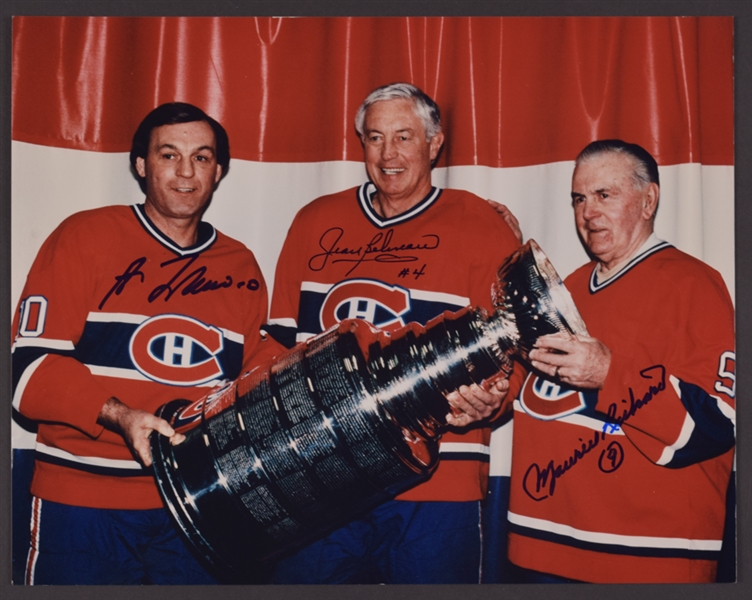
(611, 458)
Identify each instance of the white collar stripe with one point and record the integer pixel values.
(165, 241)
(368, 190)
(595, 286)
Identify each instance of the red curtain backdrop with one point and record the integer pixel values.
(513, 91)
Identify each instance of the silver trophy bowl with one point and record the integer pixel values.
(340, 423)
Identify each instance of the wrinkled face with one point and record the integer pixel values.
(613, 217)
(398, 157)
(181, 170)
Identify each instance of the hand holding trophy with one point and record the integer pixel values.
(341, 422)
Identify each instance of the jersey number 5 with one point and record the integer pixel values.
(727, 370)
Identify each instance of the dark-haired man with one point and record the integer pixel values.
(623, 441)
(126, 308)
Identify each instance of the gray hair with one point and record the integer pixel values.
(645, 168)
(425, 108)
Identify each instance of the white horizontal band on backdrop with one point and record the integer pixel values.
(256, 203)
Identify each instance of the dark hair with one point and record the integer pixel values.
(170, 114)
(646, 169)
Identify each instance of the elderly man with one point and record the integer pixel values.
(623, 442)
(126, 308)
(396, 250)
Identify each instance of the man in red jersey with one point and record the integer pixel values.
(392, 251)
(125, 309)
(623, 441)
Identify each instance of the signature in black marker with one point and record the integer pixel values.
(636, 404)
(379, 249)
(121, 280)
(539, 483)
(193, 282)
(611, 458)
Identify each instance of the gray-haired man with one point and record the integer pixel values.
(392, 251)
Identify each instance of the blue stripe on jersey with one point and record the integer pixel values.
(713, 433)
(421, 311)
(106, 344)
(474, 456)
(284, 335)
(23, 356)
(613, 548)
(95, 469)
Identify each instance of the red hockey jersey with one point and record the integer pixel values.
(628, 484)
(342, 260)
(112, 307)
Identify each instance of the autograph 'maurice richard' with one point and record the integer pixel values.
(378, 249)
(540, 482)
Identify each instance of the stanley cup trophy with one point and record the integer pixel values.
(342, 422)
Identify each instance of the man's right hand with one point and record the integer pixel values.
(476, 402)
(577, 360)
(135, 426)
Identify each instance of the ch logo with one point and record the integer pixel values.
(547, 400)
(378, 303)
(195, 410)
(177, 350)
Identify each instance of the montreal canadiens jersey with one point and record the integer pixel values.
(628, 483)
(342, 260)
(112, 307)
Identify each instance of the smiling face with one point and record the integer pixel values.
(614, 216)
(398, 157)
(181, 172)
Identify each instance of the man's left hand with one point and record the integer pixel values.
(475, 403)
(508, 217)
(577, 360)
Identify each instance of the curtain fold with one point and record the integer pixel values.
(514, 91)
